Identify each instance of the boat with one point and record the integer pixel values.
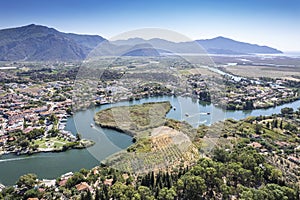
(92, 125)
(64, 120)
(186, 114)
(205, 113)
(174, 108)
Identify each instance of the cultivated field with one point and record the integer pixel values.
(253, 71)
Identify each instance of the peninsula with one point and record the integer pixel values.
(160, 142)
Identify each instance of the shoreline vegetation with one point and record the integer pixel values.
(82, 144)
(247, 105)
(226, 92)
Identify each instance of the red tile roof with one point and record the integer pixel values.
(82, 186)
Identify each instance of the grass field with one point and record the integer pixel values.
(53, 142)
(134, 120)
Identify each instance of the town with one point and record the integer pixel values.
(33, 118)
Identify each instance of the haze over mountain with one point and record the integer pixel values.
(40, 43)
(218, 45)
(228, 46)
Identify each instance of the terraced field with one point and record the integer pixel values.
(160, 144)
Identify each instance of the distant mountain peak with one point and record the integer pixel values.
(223, 45)
(30, 25)
(221, 37)
(34, 26)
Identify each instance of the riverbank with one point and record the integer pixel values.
(243, 93)
(82, 144)
(51, 146)
(254, 106)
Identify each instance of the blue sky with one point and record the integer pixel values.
(267, 22)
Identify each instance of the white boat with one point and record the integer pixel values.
(64, 120)
(205, 113)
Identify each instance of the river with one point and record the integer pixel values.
(51, 165)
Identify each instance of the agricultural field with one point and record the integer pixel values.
(159, 143)
(253, 71)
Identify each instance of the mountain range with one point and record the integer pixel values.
(41, 43)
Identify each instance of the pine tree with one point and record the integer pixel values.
(276, 123)
(97, 195)
(268, 125)
(152, 179)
